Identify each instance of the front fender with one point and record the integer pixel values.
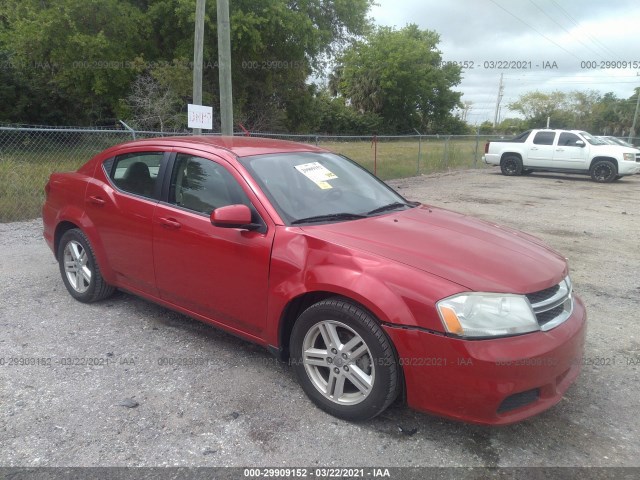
(397, 294)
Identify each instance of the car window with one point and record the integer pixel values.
(203, 185)
(137, 172)
(568, 140)
(544, 138)
(302, 185)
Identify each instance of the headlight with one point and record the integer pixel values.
(630, 157)
(476, 315)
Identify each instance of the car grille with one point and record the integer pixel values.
(552, 306)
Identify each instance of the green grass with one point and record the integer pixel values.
(25, 167)
(408, 158)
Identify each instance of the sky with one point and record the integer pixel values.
(547, 44)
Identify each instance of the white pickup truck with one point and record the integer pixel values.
(563, 151)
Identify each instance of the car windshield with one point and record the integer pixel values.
(311, 187)
(592, 140)
(618, 141)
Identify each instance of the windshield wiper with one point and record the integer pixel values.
(328, 217)
(391, 206)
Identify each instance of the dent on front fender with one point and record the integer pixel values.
(395, 293)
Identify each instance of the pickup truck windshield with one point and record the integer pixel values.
(592, 140)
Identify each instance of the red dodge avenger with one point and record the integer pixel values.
(300, 250)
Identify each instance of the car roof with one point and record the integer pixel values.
(238, 145)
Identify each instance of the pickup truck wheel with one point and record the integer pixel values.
(603, 171)
(511, 165)
(79, 269)
(343, 360)
(618, 177)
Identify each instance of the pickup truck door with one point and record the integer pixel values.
(568, 154)
(540, 150)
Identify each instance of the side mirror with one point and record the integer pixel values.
(580, 143)
(233, 216)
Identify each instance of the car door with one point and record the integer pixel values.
(220, 273)
(540, 152)
(120, 202)
(568, 154)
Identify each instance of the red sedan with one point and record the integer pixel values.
(368, 295)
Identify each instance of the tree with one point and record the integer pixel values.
(153, 106)
(537, 106)
(76, 60)
(399, 75)
(72, 55)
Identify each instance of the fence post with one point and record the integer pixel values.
(445, 152)
(475, 154)
(419, 151)
(375, 155)
(133, 132)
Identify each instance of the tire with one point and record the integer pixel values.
(603, 171)
(79, 269)
(511, 165)
(618, 177)
(344, 361)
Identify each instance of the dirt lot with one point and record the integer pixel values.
(238, 407)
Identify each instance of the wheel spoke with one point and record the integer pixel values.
(75, 250)
(336, 386)
(355, 348)
(70, 266)
(329, 335)
(315, 356)
(359, 379)
(86, 274)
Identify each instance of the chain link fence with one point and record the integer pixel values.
(29, 155)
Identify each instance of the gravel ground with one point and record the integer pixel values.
(239, 407)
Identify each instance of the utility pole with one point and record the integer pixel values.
(500, 93)
(632, 133)
(198, 46)
(224, 68)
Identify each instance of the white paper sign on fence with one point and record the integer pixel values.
(200, 116)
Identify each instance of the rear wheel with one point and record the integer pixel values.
(511, 165)
(344, 361)
(603, 171)
(79, 269)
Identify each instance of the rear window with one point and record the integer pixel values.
(544, 138)
(136, 172)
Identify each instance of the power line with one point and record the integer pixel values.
(594, 40)
(562, 27)
(532, 28)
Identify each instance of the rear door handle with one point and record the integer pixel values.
(97, 200)
(170, 223)
(559, 149)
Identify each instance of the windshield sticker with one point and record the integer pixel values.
(317, 173)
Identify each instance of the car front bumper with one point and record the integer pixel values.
(628, 168)
(496, 381)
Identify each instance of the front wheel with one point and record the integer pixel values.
(603, 171)
(344, 361)
(79, 269)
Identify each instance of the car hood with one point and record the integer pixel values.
(615, 148)
(475, 254)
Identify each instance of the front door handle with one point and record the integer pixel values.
(170, 223)
(97, 200)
